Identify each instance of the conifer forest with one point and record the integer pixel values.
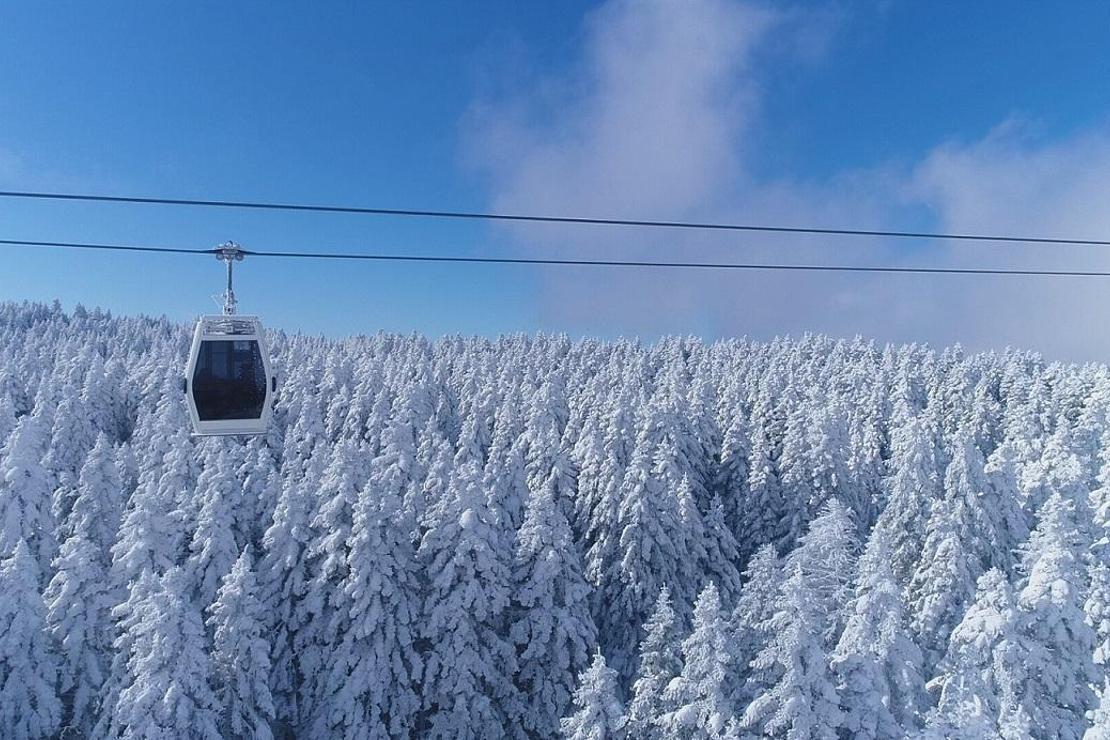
(538, 537)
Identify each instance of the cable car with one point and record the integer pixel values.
(228, 381)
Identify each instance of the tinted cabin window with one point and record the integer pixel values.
(229, 381)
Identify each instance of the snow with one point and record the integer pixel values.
(532, 536)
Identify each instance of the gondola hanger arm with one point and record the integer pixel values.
(229, 252)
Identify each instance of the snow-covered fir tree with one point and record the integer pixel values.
(1097, 610)
(467, 687)
(373, 673)
(660, 662)
(598, 712)
(800, 697)
(943, 583)
(405, 588)
(213, 548)
(79, 600)
(983, 664)
(877, 663)
(552, 627)
(652, 545)
(81, 593)
(1060, 643)
(97, 501)
(152, 532)
(751, 622)
(167, 688)
(911, 487)
(1100, 717)
(241, 655)
(324, 609)
(29, 705)
(698, 698)
(25, 511)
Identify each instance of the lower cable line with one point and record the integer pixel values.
(751, 266)
(112, 247)
(684, 265)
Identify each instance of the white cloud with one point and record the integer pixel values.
(656, 122)
(649, 123)
(1011, 182)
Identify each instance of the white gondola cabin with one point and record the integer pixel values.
(229, 383)
(228, 380)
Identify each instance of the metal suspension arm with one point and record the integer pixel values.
(229, 252)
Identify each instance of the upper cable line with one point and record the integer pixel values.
(535, 218)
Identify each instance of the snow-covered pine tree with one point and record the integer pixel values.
(241, 655)
(324, 610)
(878, 665)
(29, 705)
(101, 394)
(660, 662)
(467, 685)
(543, 431)
(372, 674)
(751, 621)
(79, 600)
(1060, 671)
(910, 490)
(991, 526)
(652, 547)
(868, 448)
(150, 538)
(1100, 717)
(152, 530)
(1003, 478)
(283, 580)
(95, 511)
(126, 616)
(261, 487)
(762, 515)
(70, 440)
(552, 627)
(796, 475)
(7, 413)
(426, 503)
(800, 699)
(396, 466)
(1058, 469)
(602, 535)
(599, 714)
(25, 512)
(829, 559)
(167, 689)
(692, 527)
(731, 485)
(942, 585)
(504, 475)
(721, 553)
(699, 695)
(1097, 610)
(213, 549)
(983, 663)
(1099, 496)
(82, 592)
(588, 456)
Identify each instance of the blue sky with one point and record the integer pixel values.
(978, 116)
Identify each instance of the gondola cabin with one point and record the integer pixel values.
(228, 380)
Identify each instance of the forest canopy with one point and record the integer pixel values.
(531, 536)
